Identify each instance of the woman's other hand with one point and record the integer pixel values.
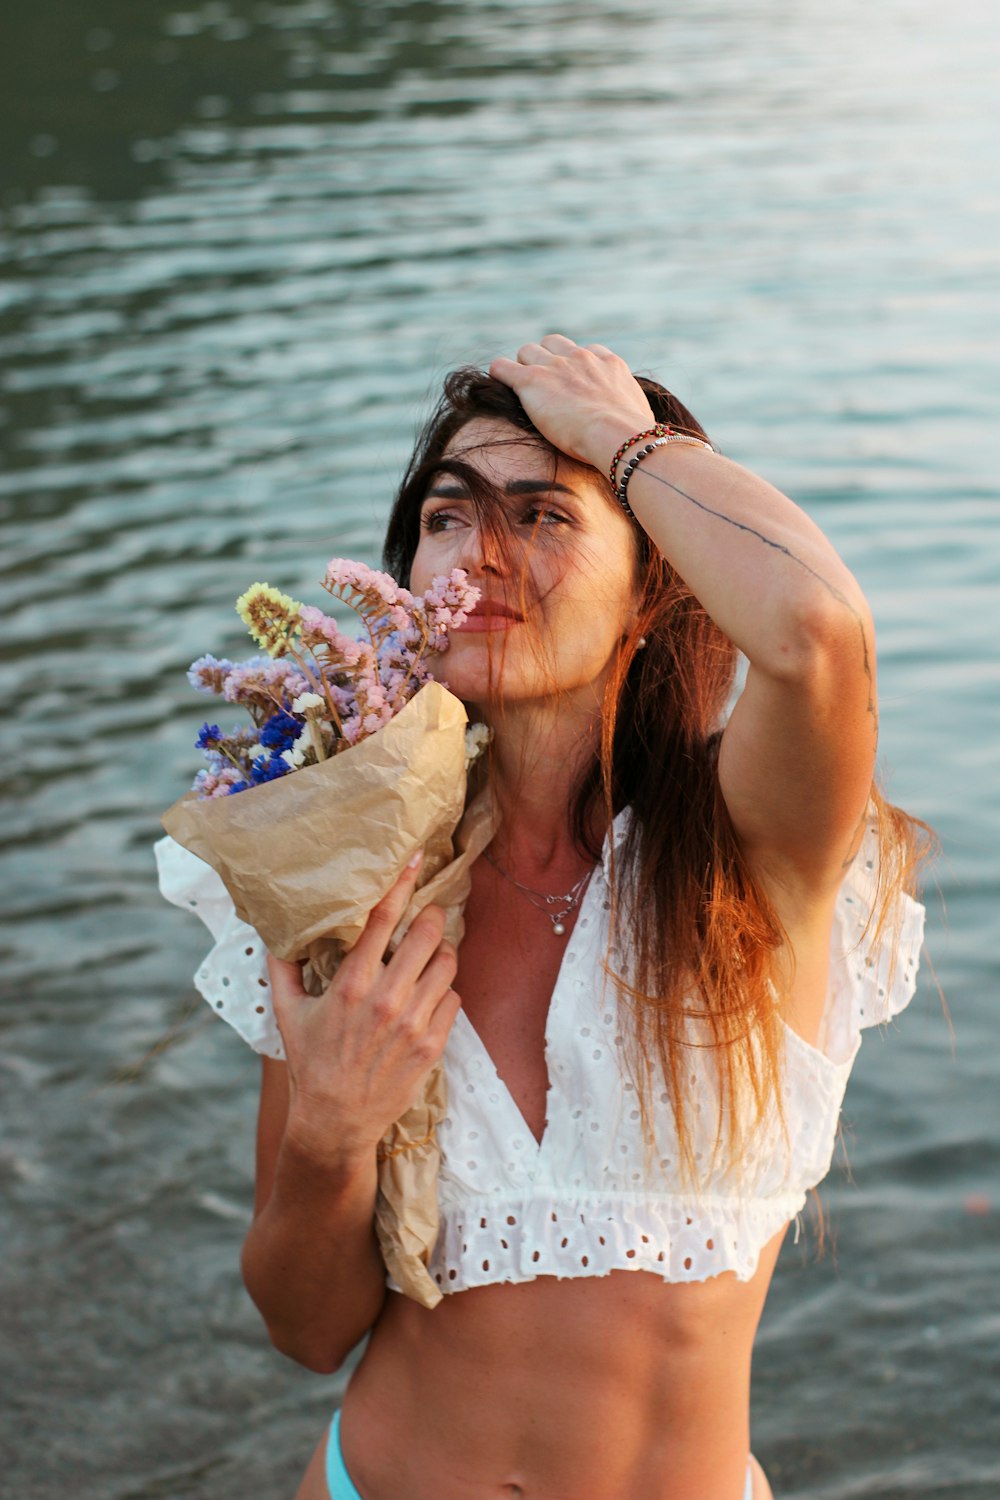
(585, 400)
(358, 1053)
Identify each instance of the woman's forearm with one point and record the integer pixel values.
(311, 1261)
(762, 569)
(355, 1058)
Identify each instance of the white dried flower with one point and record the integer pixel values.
(477, 737)
(305, 701)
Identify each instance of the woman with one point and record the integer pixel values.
(650, 1022)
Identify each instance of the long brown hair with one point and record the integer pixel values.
(701, 941)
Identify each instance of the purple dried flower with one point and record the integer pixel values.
(208, 674)
(264, 684)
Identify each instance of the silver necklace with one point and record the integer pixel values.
(566, 904)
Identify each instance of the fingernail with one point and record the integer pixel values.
(411, 864)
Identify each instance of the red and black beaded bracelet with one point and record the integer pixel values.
(660, 430)
(661, 436)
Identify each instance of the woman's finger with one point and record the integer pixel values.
(435, 977)
(507, 370)
(286, 978)
(383, 919)
(286, 984)
(558, 343)
(422, 940)
(442, 1019)
(533, 354)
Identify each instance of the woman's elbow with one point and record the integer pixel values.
(826, 640)
(322, 1347)
(319, 1342)
(321, 1357)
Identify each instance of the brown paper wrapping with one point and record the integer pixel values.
(306, 857)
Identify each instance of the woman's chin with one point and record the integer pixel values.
(472, 688)
(465, 670)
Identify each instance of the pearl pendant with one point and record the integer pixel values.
(558, 929)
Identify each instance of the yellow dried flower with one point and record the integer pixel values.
(271, 617)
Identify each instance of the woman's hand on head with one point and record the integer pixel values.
(584, 400)
(358, 1053)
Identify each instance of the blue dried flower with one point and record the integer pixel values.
(209, 736)
(268, 768)
(280, 732)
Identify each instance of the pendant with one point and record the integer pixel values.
(558, 929)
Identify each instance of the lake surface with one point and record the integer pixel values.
(240, 243)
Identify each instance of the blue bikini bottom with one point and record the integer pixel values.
(338, 1481)
(341, 1486)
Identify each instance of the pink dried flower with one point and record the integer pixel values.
(217, 783)
(449, 601)
(382, 603)
(319, 630)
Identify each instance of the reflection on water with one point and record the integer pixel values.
(239, 244)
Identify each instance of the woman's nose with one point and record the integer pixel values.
(479, 552)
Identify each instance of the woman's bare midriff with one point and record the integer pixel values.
(593, 1389)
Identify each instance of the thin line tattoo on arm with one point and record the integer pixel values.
(871, 707)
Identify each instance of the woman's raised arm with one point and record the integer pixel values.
(798, 753)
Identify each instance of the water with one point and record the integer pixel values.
(239, 245)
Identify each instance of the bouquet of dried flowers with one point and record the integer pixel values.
(353, 759)
(318, 692)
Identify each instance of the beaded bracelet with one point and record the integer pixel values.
(669, 436)
(633, 463)
(660, 430)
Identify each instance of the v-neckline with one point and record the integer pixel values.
(569, 954)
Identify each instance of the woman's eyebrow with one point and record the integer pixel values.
(448, 490)
(538, 487)
(454, 489)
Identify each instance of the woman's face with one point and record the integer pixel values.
(553, 612)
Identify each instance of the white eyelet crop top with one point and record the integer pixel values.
(588, 1200)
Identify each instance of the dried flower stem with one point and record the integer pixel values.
(221, 748)
(316, 739)
(421, 623)
(319, 682)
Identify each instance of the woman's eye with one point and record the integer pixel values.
(439, 520)
(543, 515)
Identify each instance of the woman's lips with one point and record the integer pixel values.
(490, 614)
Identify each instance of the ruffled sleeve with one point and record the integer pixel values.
(870, 982)
(233, 978)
